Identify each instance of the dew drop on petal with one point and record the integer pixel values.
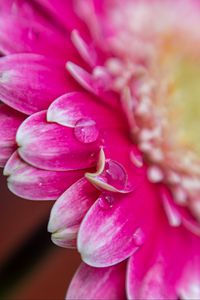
(115, 174)
(139, 237)
(106, 200)
(86, 131)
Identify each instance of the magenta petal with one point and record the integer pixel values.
(23, 32)
(9, 123)
(84, 78)
(71, 107)
(188, 286)
(69, 210)
(97, 83)
(87, 52)
(154, 272)
(116, 225)
(152, 284)
(36, 184)
(98, 283)
(30, 82)
(63, 12)
(54, 147)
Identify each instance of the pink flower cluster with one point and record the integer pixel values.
(81, 122)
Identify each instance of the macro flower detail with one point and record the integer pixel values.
(100, 112)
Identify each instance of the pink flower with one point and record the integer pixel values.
(100, 111)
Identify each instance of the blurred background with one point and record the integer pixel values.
(31, 266)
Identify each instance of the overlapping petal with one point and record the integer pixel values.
(30, 82)
(19, 35)
(32, 183)
(159, 271)
(188, 286)
(98, 283)
(69, 19)
(149, 272)
(97, 84)
(54, 147)
(116, 225)
(113, 213)
(9, 123)
(69, 210)
(68, 109)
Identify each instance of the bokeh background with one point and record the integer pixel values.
(31, 266)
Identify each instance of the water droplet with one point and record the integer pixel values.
(115, 174)
(139, 237)
(106, 200)
(86, 131)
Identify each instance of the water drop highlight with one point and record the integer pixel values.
(86, 131)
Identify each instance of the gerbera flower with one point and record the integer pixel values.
(107, 95)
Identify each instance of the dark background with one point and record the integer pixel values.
(31, 266)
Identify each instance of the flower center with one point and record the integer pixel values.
(184, 106)
(158, 77)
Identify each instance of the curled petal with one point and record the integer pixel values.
(69, 210)
(54, 147)
(36, 184)
(110, 176)
(116, 225)
(9, 123)
(98, 283)
(30, 82)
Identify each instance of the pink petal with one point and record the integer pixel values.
(84, 78)
(110, 176)
(86, 51)
(30, 82)
(188, 286)
(54, 147)
(179, 214)
(35, 184)
(127, 154)
(26, 27)
(9, 123)
(159, 270)
(69, 210)
(151, 284)
(98, 85)
(71, 107)
(98, 283)
(116, 225)
(5, 5)
(21, 31)
(172, 213)
(69, 18)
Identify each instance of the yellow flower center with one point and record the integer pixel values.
(184, 107)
